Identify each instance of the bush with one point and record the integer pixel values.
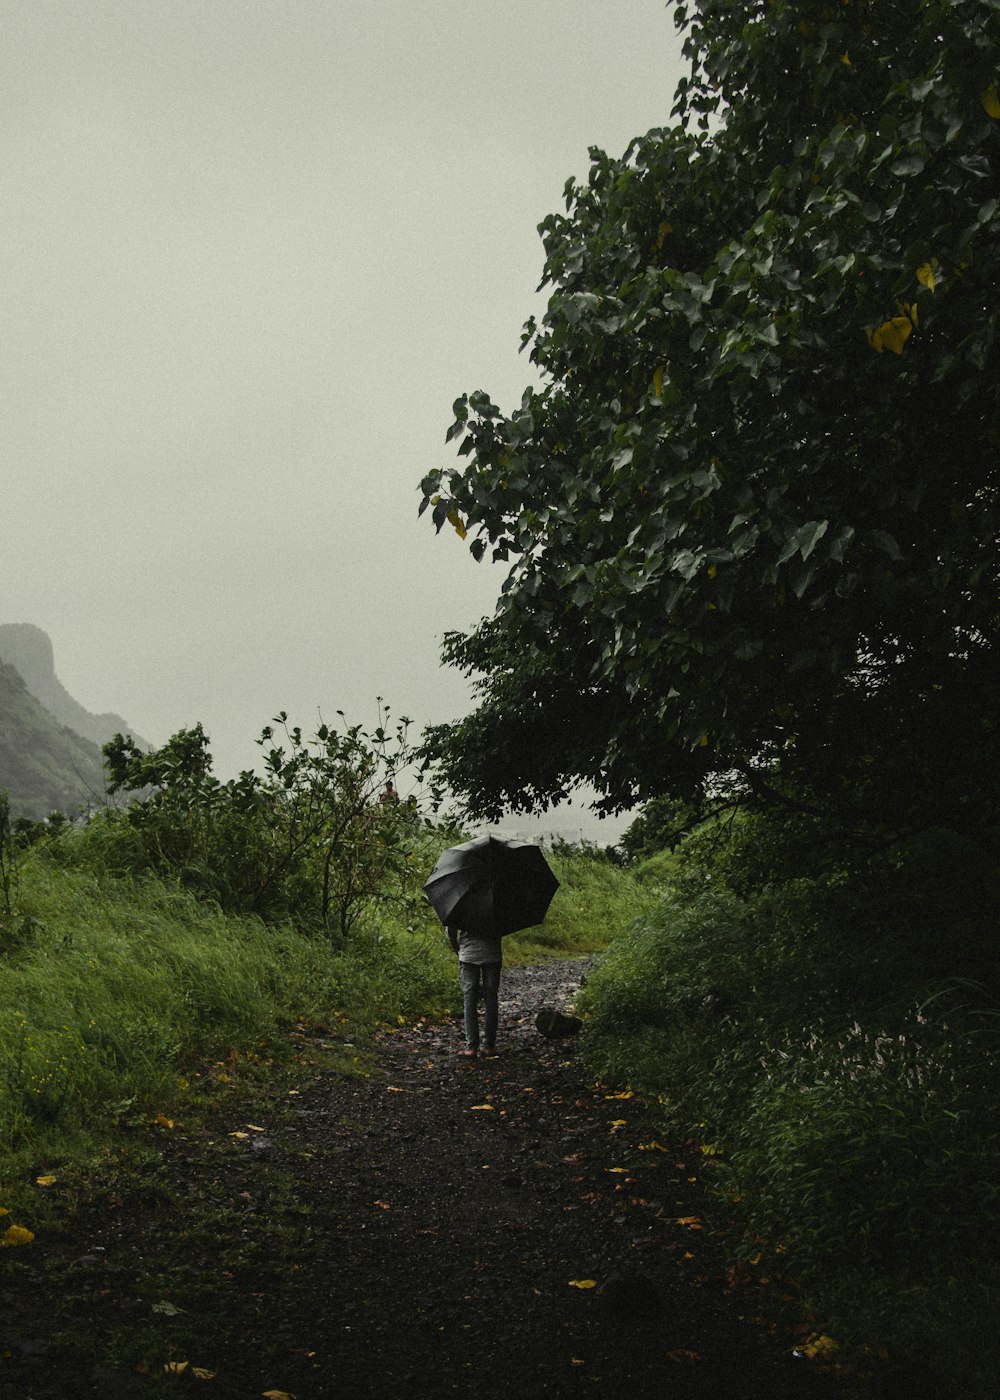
(835, 1038)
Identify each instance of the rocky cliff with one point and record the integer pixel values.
(44, 767)
(50, 745)
(29, 650)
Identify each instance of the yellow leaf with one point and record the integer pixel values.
(658, 382)
(163, 1121)
(703, 742)
(175, 1368)
(662, 232)
(239, 1135)
(619, 1171)
(691, 1221)
(277, 1395)
(818, 1345)
(712, 571)
(628, 1094)
(925, 275)
(46, 1180)
(481, 1108)
(255, 1127)
(202, 1374)
(618, 1123)
(991, 101)
(455, 520)
(845, 59)
(892, 335)
(651, 1147)
(583, 1283)
(4, 1210)
(382, 1205)
(15, 1235)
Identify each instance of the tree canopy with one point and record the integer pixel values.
(750, 514)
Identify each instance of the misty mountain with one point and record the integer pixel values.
(29, 650)
(44, 767)
(50, 745)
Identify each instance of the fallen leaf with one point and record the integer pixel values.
(652, 1147)
(202, 1374)
(382, 1205)
(583, 1283)
(255, 1128)
(617, 1124)
(277, 1395)
(15, 1235)
(691, 1221)
(619, 1170)
(481, 1107)
(46, 1180)
(167, 1309)
(175, 1368)
(817, 1345)
(239, 1135)
(164, 1121)
(682, 1356)
(626, 1094)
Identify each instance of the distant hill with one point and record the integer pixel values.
(44, 767)
(50, 745)
(29, 650)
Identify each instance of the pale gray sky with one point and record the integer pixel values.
(252, 251)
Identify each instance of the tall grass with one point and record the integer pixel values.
(117, 987)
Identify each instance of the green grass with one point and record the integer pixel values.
(113, 991)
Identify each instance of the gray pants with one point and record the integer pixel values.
(473, 975)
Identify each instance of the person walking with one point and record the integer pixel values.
(480, 959)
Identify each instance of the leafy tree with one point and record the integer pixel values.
(750, 515)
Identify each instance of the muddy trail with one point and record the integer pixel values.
(435, 1227)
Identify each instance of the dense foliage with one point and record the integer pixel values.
(751, 513)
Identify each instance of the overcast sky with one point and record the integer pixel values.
(253, 250)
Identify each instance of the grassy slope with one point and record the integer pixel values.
(115, 993)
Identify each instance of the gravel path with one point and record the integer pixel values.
(489, 1230)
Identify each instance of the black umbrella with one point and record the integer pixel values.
(491, 886)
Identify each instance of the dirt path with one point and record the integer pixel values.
(414, 1233)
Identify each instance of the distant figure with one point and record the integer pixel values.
(389, 793)
(480, 959)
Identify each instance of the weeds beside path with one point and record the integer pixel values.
(423, 1230)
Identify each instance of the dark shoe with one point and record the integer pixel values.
(488, 1052)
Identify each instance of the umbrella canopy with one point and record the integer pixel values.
(491, 886)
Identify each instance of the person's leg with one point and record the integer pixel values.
(491, 993)
(469, 976)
